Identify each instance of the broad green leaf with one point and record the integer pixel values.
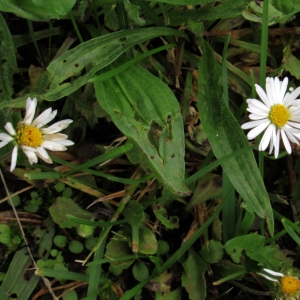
(134, 212)
(140, 271)
(147, 241)
(118, 248)
(96, 54)
(226, 9)
(169, 222)
(8, 63)
(212, 252)
(151, 118)
(63, 206)
(226, 136)
(193, 278)
(186, 2)
(37, 10)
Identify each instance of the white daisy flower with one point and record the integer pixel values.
(288, 287)
(32, 138)
(278, 114)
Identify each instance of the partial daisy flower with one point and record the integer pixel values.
(288, 286)
(278, 114)
(32, 138)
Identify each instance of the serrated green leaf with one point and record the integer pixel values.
(151, 117)
(255, 248)
(193, 278)
(134, 12)
(226, 136)
(169, 222)
(236, 246)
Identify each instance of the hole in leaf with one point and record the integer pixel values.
(14, 296)
(64, 61)
(28, 274)
(77, 65)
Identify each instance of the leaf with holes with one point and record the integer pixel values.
(151, 117)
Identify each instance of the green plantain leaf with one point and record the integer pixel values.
(8, 63)
(146, 111)
(226, 9)
(226, 136)
(37, 10)
(95, 54)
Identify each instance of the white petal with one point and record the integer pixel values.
(273, 272)
(54, 137)
(32, 158)
(53, 146)
(43, 154)
(27, 148)
(30, 110)
(256, 117)
(296, 103)
(5, 137)
(258, 104)
(269, 90)
(257, 112)
(286, 142)
(257, 130)
(276, 142)
(65, 142)
(268, 277)
(14, 157)
(56, 127)
(44, 115)
(283, 89)
(266, 138)
(10, 128)
(277, 89)
(263, 96)
(271, 146)
(3, 143)
(252, 124)
(290, 97)
(49, 119)
(292, 138)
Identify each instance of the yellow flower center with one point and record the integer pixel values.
(279, 115)
(29, 136)
(289, 284)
